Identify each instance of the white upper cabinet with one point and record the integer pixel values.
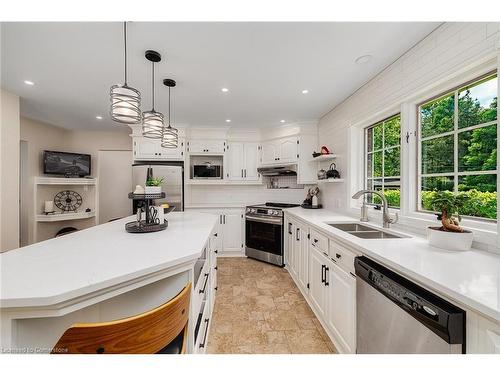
(279, 151)
(242, 161)
(206, 146)
(150, 149)
(252, 153)
(288, 150)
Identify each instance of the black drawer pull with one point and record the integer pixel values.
(338, 256)
(326, 270)
(204, 284)
(297, 235)
(322, 273)
(315, 240)
(202, 344)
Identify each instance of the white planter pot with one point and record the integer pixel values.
(152, 190)
(449, 240)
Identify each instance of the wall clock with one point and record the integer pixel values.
(68, 200)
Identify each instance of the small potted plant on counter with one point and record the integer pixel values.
(153, 185)
(450, 235)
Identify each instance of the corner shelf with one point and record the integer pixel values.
(324, 157)
(330, 180)
(64, 217)
(64, 181)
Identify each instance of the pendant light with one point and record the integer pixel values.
(170, 138)
(152, 121)
(125, 100)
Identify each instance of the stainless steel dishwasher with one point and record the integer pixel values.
(395, 315)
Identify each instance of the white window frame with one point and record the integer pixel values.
(455, 133)
(486, 232)
(382, 150)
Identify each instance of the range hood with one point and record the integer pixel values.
(278, 170)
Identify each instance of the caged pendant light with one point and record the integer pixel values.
(125, 100)
(152, 121)
(170, 138)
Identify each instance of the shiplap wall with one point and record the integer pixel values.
(448, 48)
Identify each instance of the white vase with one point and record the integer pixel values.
(449, 240)
(152, 190)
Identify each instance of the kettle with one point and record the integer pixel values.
(321, 174)
(332, 172)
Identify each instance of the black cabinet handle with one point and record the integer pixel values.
(297, 234)
(216, 251)
(202, 344)
(289, 228)
(215, 268)
(326, 270)
(242, 173)
(338, 256)
(315, 240)
(224, 218)
(245, 173)
(215, 234)
(322, 273)
(220, 219)
(204, 285)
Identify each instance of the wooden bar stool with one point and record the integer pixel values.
(162, 330)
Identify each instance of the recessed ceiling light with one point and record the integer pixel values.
(305, 91)
(30, 83)
(99, 117)
(363, 59)
(228, 120)
(282, 121)
(224, 89)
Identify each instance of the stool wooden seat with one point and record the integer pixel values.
(161, 330)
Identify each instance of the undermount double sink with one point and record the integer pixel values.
(365, 231)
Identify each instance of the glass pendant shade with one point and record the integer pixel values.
(125, 104)
(125, 100)
(152, 121)
(170, 138)
(152, 124)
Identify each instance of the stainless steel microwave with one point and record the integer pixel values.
(207, 170)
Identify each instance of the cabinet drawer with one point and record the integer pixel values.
(343, 257)
(200, 291)
(319, 241)
(201, 329)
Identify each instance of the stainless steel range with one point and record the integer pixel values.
(264, 232)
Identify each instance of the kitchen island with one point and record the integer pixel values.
(104, 273)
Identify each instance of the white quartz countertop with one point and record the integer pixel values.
(86, 261)
(470, 278)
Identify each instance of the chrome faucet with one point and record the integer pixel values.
(386, 218)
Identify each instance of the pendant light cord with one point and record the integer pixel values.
(169, 106)
(153, 86)
(125, 40)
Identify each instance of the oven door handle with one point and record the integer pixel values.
(264, 220)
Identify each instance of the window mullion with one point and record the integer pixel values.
(455, 144)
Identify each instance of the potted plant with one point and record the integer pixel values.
(450, 235)
(153, 185)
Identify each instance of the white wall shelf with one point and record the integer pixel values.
(64, 181)
(331, 180)
(325, 157)
(65, 216)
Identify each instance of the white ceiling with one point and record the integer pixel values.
(264, 65)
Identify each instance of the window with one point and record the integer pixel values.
(458, 147)
(383, 160)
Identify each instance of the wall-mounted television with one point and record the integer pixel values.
(66, 164)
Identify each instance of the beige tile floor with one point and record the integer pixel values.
(258, 309)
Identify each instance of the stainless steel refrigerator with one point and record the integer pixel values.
(173, 181)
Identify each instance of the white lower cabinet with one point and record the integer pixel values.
(230, 231)
(327, 283)
(341, 305)
(317, 288)
(297, 258)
